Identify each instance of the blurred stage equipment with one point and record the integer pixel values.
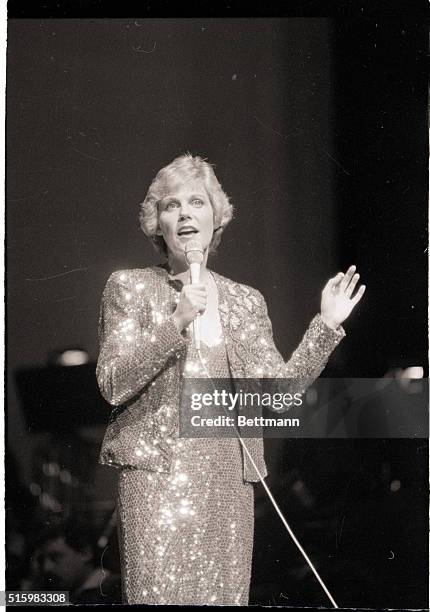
(61, 403)
(62, 396)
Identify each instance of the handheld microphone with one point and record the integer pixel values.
(194, 258)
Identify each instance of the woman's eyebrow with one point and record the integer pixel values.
(197, 195)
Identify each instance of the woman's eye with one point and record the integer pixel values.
(172, 205)
(197, 202)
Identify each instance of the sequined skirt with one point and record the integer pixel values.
(186, 537)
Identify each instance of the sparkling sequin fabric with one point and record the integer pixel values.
(142, 362)
(185, 506)
(186, 537)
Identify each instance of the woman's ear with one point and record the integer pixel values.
(159, 232)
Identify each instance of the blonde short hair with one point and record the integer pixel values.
(184, 168)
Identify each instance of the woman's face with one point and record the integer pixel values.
(184, 214)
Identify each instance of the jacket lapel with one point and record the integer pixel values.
(230, 322)
(223, 304)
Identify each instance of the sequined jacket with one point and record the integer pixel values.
(142, 357)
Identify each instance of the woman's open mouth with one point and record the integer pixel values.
(187, 230)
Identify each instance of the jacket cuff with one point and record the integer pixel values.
(168, 338)
(324, 336)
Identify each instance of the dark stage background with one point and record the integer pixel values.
(318, 131)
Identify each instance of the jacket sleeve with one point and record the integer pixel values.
(131, 354)
(307, 361)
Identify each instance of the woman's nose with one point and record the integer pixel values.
(185, 212)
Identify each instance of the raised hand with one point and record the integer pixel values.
(337, 302)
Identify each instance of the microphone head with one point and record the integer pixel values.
(193, 252)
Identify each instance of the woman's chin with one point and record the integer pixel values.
(181, 245)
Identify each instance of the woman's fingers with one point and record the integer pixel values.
(347, 278)
(349, 290)
(346, 283)
(334, 282)
(357, 297)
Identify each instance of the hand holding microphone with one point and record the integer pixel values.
(193, 298)
(192, 301)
